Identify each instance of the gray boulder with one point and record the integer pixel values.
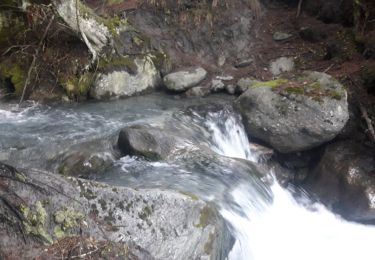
(185, 79)
(149, 142)
(281, 65)
(294, 115)
(281, 36)
(40, 212)
(217, 85)
(198, 92)
(231, 89)
(344, 181)
(244, 84)
(121, 83)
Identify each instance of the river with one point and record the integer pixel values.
(266, 220)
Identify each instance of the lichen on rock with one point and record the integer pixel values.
(35, 221)
(68, 218)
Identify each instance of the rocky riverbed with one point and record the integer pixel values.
(124, 125)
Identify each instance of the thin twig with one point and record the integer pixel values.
(327, 69)
(22, 47)
(86, 254)
(299, 8)
(34, 59)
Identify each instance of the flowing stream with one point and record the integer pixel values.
(215, 163)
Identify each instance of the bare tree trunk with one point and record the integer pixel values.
(83, 21)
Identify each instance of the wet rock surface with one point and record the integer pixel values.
(344, 180)
(87, 158)
(297, 116)
(41, 209)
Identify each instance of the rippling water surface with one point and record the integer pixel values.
(215, 163)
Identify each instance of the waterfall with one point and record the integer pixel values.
(284, 229)
(228, 135)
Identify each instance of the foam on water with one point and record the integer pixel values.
(284, 229)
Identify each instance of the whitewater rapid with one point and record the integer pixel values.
(285, 229)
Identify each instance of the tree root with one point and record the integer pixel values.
(370, 127)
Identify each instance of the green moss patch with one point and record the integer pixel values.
(117, 62)
(16, 74)
(299, 86)
(76, 86)
(204, 218)
(272, 83)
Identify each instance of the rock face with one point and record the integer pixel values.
(120, 83)
(294, 115)
(40, 210)
(344, 181)
(183, 80)
(150, 142)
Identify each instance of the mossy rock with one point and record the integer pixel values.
(271, 83)
(297, 85)
(15, 74)
(110, 64)
(78, 86)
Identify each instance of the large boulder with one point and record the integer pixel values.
(39, 211)
(344, 180)
(297, 114)
(185, 79)
(119, 82)
(150, 142)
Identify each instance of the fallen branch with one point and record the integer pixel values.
(327, 69)
(370, 127)
(34, 59)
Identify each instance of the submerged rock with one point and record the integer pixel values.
(344, 181)
(185, 79)
(294, 115)
(150, 142)
(121, 83)
(86, 158)
(40, 210)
